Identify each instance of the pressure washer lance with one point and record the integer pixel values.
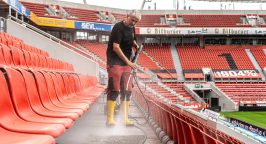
(126, 106)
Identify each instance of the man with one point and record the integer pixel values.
(119, 65)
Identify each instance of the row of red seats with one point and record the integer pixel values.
(100, 50)
(162, 54)
(14, 56)
(149, 20)
(39, 105)
(75, 13)
(147, 62)
(244, 93)
(212, 20)
(97, 48)
(179, 90)
(12, 41)
(180, 126)
(37, 8)
(260, 56)
(196, 58)
(43, 103)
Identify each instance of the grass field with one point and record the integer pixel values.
(254, 118)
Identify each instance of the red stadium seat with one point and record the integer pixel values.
(15, 55)
(2, 60)
(27, 58)
(7, 54)
(70, 87)
(8, 137)
(63, 96)
(22, 104)
(209, 140)
(197, 135)
(35, 100)
(45, 98)
(11, 121)
(53, 94)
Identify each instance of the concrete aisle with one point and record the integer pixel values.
(91, 128)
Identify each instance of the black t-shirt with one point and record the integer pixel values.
(124, 36)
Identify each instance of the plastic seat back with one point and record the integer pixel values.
(7, 112)
(27, 58)
(7, 54)
(15, 55)
(18, 91)
(2, 60)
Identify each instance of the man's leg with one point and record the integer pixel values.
(127, 88)
(114, 75)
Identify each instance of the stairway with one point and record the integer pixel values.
(177, 63)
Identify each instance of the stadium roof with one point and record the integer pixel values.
(240, 1)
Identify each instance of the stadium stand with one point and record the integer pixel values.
(183, 97)
(75, 13)
(191, 58)
(260, 57)
(182, 128)
(242, 93)
(37, 101)
(161, 53)
(207, 20)
(44, 96)
(152, 21)
(97, 48)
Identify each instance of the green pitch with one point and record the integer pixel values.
(254, 118)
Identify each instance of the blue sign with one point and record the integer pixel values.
(258, 130)
(93, 26)
(16, 5)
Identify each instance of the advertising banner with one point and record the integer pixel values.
(16, 5)
(200, 31)
(236, 74)
(52, 22)
(93, 26)
(34, 18)
(250, 127)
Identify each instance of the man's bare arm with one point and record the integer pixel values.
(118, 51)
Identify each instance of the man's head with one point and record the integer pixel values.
(133, 17)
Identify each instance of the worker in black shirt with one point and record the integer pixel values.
(119, 65)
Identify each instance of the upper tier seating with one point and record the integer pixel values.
(84, 49)
(98, 49)
(242, 93)
(193, 57)
(260, 56)
(146, 62)
(161, 53)
(74, 13)
(148, 20)
(151, 21)
(211, 20)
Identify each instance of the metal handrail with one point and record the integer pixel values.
(2, 24)
(55, 39)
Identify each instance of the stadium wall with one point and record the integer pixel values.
(81, 64)
(224, 101)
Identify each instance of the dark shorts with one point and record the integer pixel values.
(119, 81)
